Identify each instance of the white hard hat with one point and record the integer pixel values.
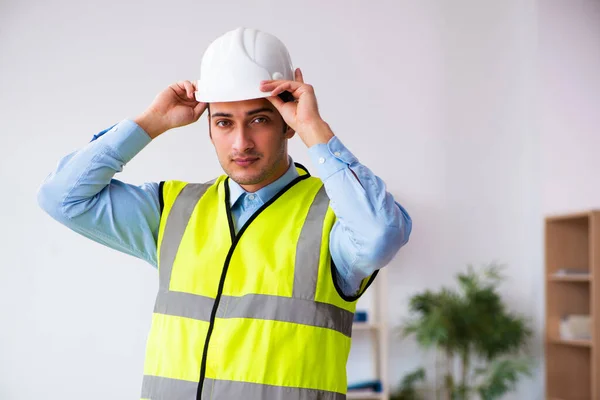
(235, 63)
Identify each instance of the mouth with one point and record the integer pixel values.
(244, 162)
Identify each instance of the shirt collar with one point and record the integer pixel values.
(266, 193)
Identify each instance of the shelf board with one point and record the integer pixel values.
(364, 396)
(570, 278)
(572, 216)
(568, 342)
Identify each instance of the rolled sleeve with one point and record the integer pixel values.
(126, 138)
(330, 157)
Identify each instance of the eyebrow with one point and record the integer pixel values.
(251, 112)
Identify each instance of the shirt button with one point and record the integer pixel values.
(321, 160)
(337, 154)
(251, 197)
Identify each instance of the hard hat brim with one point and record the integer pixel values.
(231, 97)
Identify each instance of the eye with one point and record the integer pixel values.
(223, 123)
(259, 120)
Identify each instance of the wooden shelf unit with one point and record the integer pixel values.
(572, 242)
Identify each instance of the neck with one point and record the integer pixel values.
(278, 173)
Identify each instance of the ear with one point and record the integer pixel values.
(289, 132)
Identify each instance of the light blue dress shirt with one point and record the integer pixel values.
(83, 194)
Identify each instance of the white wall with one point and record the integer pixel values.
(570, 104)
(485, 203)
(436, 97)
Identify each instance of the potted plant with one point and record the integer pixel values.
(481, 344)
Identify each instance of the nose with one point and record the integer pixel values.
(242, 141)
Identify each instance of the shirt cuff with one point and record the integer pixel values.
(331, 157)
(126, 138)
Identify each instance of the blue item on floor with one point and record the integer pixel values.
(360, 316)
(374, 385)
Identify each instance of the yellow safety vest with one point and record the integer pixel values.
(254, 315)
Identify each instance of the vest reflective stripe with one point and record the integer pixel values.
(257, 306)
(159, 388)
(186, 305)
(173, 389)
(222, 390)
(288, 309)
(175, 227)
(305, 278)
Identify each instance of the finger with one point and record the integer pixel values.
(267, 86)
(281, 88)
(291, 87)
(199, 110)
(277, 102)
(299, 77)
(180, 91)
(178, 88)
(189, 89)
(179, 94)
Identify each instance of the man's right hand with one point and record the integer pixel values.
(173, 107)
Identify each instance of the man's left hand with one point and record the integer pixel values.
(302, 114)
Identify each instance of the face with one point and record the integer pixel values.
(250, 138)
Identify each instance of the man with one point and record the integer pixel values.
(259, 269)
